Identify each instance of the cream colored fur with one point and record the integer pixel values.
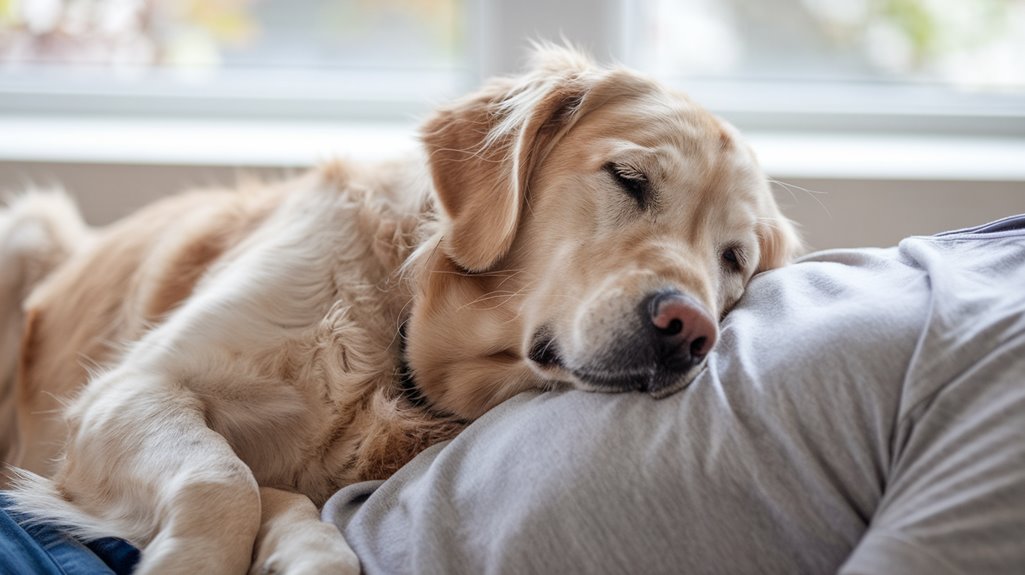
(38, 232)
(201, 376)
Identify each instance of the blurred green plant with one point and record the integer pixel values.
(962, 41)
(934, 28)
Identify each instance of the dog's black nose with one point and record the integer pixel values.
(680, 328)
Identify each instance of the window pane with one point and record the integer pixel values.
(375, 50)
(976, 44)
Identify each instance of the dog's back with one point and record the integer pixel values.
(124, 279)
(135, 274)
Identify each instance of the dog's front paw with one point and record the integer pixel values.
(308, 565)
(314, 549)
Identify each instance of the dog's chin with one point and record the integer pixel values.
(547, 360)
(677, 382)
(554, 370)
(655, 381)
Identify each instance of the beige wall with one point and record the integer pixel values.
(850, 213)
(831, 213)
(106, 192)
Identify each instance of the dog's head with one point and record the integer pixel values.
(596, 226)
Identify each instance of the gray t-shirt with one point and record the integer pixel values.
(864, 412)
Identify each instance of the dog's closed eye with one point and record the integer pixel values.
(733, 258)
(632, 181)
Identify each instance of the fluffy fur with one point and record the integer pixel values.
(199, 377)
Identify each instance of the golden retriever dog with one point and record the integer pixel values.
(198, 378)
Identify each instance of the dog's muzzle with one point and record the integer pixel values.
(672, 337)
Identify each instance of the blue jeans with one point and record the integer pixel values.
(45, 549)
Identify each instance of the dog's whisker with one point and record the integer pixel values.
(813, 194)
(785, 187)
(797, 187)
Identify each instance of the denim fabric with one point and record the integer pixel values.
(44, 549)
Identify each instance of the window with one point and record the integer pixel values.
(308, 58)
(864, 93)
(976, 45)
(951, 65)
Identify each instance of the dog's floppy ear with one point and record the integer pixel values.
(779, 242)
(483, 149)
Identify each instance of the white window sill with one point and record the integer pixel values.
(196, 142)
(289, 144)
(890, 157)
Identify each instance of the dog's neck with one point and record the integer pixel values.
(462, 332)
(464, 336)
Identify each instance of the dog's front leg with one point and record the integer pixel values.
(293, 539)
(142, 464)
